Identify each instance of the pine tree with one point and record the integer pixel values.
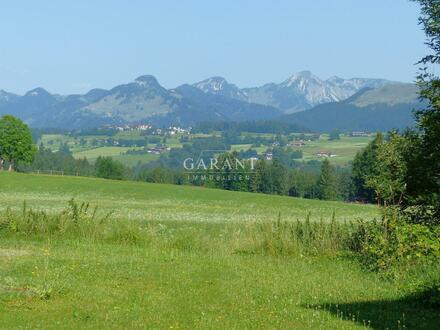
(327, 182)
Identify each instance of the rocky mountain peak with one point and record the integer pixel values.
(219, 86)
(302, 80)
(212, 85)
(147, 80)
(38, 92)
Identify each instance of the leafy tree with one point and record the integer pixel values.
(334, 135)
(108, 168)
(364, 167)
(423, 178)
(327, 182)
(389, 174)
(408, 175)
(15, 142)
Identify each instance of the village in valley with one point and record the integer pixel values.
(142, 143)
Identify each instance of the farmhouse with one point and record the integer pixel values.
(157, 150)
(299, 144)
(326, 154)
(358, 134)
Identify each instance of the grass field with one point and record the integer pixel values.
(92, 154)
(144, 201)
(345, 149)
(181, 262)
(117, 153)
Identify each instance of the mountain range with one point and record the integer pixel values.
(370, 109)
(301, 91)
(303, 97)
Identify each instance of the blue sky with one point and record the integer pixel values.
(72, 46)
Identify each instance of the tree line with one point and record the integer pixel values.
(282, 175)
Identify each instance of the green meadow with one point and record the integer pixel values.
(344, 149)
(146, 201)
(183, 258)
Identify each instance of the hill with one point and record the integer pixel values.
(381, 109)
(146, 201)
(183, 257)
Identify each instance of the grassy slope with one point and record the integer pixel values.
(53, 283)
(92, 154)
(345, 149)
(133, 200)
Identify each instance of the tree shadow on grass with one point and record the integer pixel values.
(405, 313)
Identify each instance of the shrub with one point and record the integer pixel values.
(429, 293)
(395, 242)
(108, 168)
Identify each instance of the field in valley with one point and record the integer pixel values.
(185, 257)
(343, 150)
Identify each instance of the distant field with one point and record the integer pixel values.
(345, 149)
(135, 200)
(117, 153)
(92, 154)
(240, 147)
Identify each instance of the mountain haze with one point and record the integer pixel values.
(215, 99)
(143, 100)
(301, 91)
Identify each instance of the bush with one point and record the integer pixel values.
(429, 293)
(395, 242)
(108, 168)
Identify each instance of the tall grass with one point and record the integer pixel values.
(76, 220)
(282, 238)
(272, 237)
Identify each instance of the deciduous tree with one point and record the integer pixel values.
(15, 142)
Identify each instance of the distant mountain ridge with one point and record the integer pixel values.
(370, 109)
(214, 99)
(143, 100)
(299, 92)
